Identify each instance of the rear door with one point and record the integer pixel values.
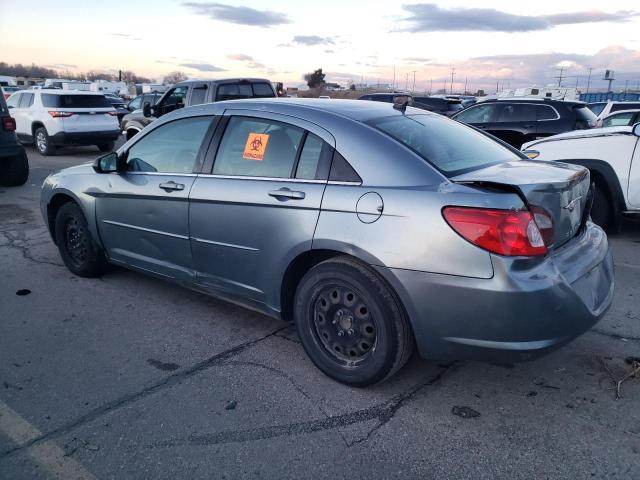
(143, 215)
(547, 118)
(257, 206)
(515, 123)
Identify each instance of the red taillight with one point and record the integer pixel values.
(113, 114)
(505, 232)
(61, 114)
(9, 124)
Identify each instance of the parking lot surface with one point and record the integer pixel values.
(130, 377)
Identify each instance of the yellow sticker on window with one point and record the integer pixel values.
(256, 146)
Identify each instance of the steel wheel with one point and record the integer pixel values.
(41, 141)
(76, 242)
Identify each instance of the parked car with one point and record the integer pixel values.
(52, 118)
(612, 156)
(137, 102)
(388, 97)
(195, 92)
(442, 105)
(365, 223)
(118, 104)
(517, 121)
(14, 165)
(621, 118)
(597, 107)
(8, 90)
(611, 107)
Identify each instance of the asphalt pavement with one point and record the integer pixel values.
(128, 377)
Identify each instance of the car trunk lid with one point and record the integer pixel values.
(561, 190)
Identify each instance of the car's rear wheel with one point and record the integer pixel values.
(79, 252)
(14, 171)
(350, 323)
(106, 146)
(602, 210)
(43, 142)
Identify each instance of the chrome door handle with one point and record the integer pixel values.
(284, 193)
(171, 185)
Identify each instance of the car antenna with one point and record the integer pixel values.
(401, 105)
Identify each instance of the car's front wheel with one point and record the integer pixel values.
(79, 252)
(350, 323)
(43, 142)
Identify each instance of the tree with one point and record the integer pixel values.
(315, 79)
(175, 77)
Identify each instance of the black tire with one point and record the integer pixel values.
(351, 323)
(14, 171)
(106, 146)
(43, 142)
(602, 212)
(79, 252)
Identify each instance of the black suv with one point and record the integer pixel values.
(14, 166)
(517, 121)
(441, 105)
(196, 92)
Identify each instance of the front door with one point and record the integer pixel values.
(143, 216)
(258, 207)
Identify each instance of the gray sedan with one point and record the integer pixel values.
(375, 227)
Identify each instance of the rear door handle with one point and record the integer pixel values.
(171, 186)
(284, 193)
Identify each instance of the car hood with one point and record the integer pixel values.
(592, 132)
(81, 169)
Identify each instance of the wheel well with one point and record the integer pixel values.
(131, 132)
(35, 126)
(294, 273)
(56, 202)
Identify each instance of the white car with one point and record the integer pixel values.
(622, 118)
(612, 155)
(614, 106)
(51, 118)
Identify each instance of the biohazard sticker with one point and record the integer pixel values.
(256, 146)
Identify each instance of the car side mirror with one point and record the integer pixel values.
(146, 109)
(10, 106)
(636, 129)
(107, 163)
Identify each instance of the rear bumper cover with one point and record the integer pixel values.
(529, 306)
(85, 138)
(11, 151)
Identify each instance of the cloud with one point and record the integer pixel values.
(125, 35)
(60, 65)
(418, 60)
(203, 67)
(328, 50)
(238, 15)
(429, 17)
(240, 57)
(311, 40)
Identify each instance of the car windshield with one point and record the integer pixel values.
(75, 101)
(451, 147)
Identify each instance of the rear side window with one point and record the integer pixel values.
(449, 146)
(257, 148)
(517, 112)
(310, 157)
(477, 114)
(342, 171)
(14, 100)
(616, 107)
(170, 148)
(545, 112)
(263, 90)
(75, 101)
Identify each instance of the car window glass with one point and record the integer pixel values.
(309, 157)
(170, 148)
(479, 114)
(342, 171)
(26, 101)
(262, 90)
(597, 108)
(449, 146)
(14, 100)
(136, 103)
(175, 98)
(199, 95)
(545, 112)
(234, 91)
(619, 119)
(258, 148)
(517, 112)
(616, 107)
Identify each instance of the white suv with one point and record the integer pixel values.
(52, 118)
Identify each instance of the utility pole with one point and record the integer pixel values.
(559, 77)
(577, 78)
(466, 79)
(406, 82)
(626, 84)
(413, 89)
(453, 72)
(431, 86)
(589, 79)
(393, 85)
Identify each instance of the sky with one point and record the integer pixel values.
(487, 42)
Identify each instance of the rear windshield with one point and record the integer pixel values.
(236, 91)
(454, 106)
(451, 147)
(75, 101)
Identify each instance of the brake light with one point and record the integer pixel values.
(113, 114)
(9, 124)
(505, 232)
(61, 114)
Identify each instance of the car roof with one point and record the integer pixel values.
(534, 99)
(58, 91)
(618, 112)
(225, 80)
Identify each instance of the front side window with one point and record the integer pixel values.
(621, 119)
(479, 114)
(170, 148)
(257, 148)
(136, 103)
(449, 146)
(175, 99)
(26, 101)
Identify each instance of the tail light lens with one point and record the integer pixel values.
(505, 232)
(113, 114)
(9, 124)
(61, 114)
